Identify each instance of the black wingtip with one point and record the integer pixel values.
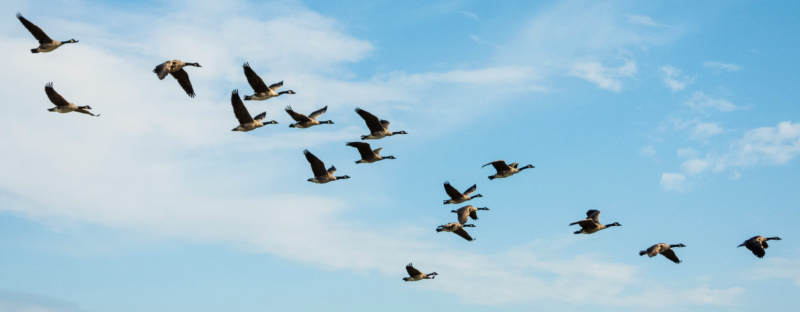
(235, 92)
(19, 15)
(246, 64)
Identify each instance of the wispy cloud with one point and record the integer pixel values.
(671, 181)
(643, 20)
(717, 66)
(701, 101)
(469, 15)
(673, 78)
(605, 77)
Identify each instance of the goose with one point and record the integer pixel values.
(246, 122)
(368, 156)
(757, 244)
(378, 128)
(262, 91)
(175, 68)
(415, 275)
(457, 228)
(505, 171)
(45, 43)
(321, 176)
(304, 121)
(62, 106)
(456, 197)
(592, 223)
(663, 249)
(467, 211)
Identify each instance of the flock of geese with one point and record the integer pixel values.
(378, 129)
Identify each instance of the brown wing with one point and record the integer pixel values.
(183, 79)
(471, 189)
(587, 224)
(594, 215)
(254, 80)
(373, 123)
(473, 215)
(463, 213)
(756, 247)
(296, 116)
(317, 166)
(37, 32)
(54, 97)
(451, 191)
(499, 165)
(318, 112)
(239, 109)
(463, 233)
(363, 149)
(412, 271)
(276, 86)
(670, 254)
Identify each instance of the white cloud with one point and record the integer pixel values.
(643, 20)
(701, 101)
(717, 66)
(673, 182)
(648, 150)
(694, 166)
(781, 268)
(673, 79)
(605, 77)
(23, 302)
(705, 130)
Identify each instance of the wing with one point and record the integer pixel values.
(463, 214)
(318, 112)
(670, 254)
(471, 189)
(594, 215)
(473, 215)
(654, 250)
(317, 166)
(162, 70)
(276, 86)
(363, 149)
(183, 78)
(756, 247)
(412, 271)
(373, 123)
(385, 124)
(254, 80)
(331, 170)
(260, 117)
(296, 116)
(37, 32)
(587, 224)
(54, 97)
(239, 110)
(451, 191)
(499, 165)
(463, 233)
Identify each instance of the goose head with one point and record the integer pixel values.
(484, 208)
(526, 167)
(399, 132)
(326, 122)
(614, 224)
(468, 225)
(773, 238)
(271, 122)
(193, 64)
(388, 157)
(70, 41)
(678, 245)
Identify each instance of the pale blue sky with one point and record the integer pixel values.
(676, 119)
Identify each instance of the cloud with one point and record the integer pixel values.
(604, 77)
(672, 78)
(781, 268)
(705, 130)
(469, 15)
(700, 101)
(717, 66)
(23, 302)
(643, 20)
(673, 182)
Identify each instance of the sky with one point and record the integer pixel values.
(679, 120)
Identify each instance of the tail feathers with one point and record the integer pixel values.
(35, 50)
(642, 253)
(577, 232)
(491, 177)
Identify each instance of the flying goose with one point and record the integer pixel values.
(304, 121)
(467, 211)
(378, 128)
(505, 171)
(262, 91)
(45, 43)
(663, 249)
(62, 106)
(457, 228)
(321, 176)
(175, 68)
(456, 197)
(757, 244)
(246, 122)
(592, 223)
(415, 275)
(368, 156)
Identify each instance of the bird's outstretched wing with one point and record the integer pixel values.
(254, 80)
(363, 149)
(670, 254)
(37, 32)
(54, 97)
(317, 166)
(451, 191)
(239, 110)
(318, 112)
(296, 116)
(183, 79)
(373, 123)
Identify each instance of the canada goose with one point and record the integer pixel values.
(262, 91)
(416, 275)
(368, 156)
(62, 106)
(45, 43)
(246, 122)
(757, 244)
(378, 128)
(304, 121)
(457, 228)
(592, 223)
(663, 249)
(175, 68)
(321, 176)
(456, 197)
(505, 171)
(467, 211)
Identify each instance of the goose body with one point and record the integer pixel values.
(592, 223)
(457, 197)
(456, 228)
(246, 122)
(175, 68)
(415, 275)
(368, 155)
(378, 128)
(663, 249)
(62, 105)
(467, 211)
(45, 43)
(304, 121)
(262, 92)
(505, 171)
(321, 176)
(758, 244)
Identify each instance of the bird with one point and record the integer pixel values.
(592, 223)
(457, 197)
(45, 43)
(378, 128)
(368, 156)
(505, 171)
(457, 228)
(467, 211)
(663, 249)
(321, 176)
(304, 121)
(175, 68)
(415, 275)
(262, 92)
(757, 244)
(246, 122)
(62, 106)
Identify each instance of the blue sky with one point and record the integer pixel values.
(676, 119)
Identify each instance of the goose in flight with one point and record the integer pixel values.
(415, 275)
(467, 211)
(592, 223)
(368, 156)
(663, 249)
(175, 68)
(505, 171)
(246, 122)
(262, 92)
(457, 228)
(757, 244)
(304, 121)
(62, 106)
(45, 43)
(321, 176)
(457, 197)
(378, 128)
